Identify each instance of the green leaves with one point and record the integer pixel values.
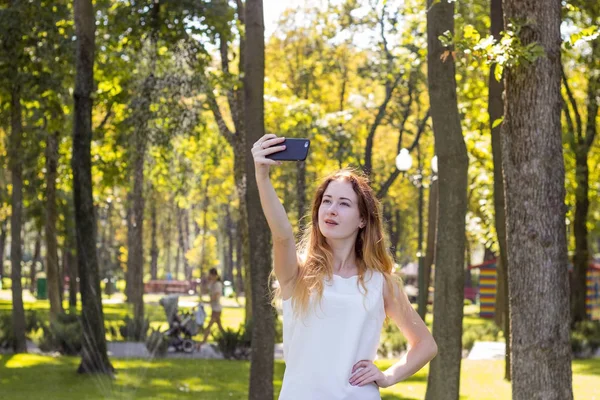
(447, 39)
(587, 35)
(508, 52)
(497, 122)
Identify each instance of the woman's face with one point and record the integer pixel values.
(339, 217)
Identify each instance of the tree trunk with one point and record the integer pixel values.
(238, 261)
(72, 271)
(102, 259)
(263, 324)
(128, 275)
(196, 225)
(444, 376)
(16, 254)
(61, 276)
(186, 238)
(393, 227)
(94, 358)
(167, 241)
(581, 258)
(182, 242)
(243, 232)
(432, 207)
(496, 111)
(52, 269)
(237, 141)
(177, 258)
(228, 248)
(70, 259)
(141, 110)
(535, 210)
(135, 262)
(205, 204)
(37, 249)
(154, 245)
(2, 246)
(583, 144)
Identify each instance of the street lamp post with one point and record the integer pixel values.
(404, 163)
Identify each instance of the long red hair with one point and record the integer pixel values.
(371, 246)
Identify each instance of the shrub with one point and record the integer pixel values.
(33, 323)
(131, 330)
(63, 335)
(157, 343)
(392, 342)
(488, 331)
(7, 337)
(234, 344)
(585, 338)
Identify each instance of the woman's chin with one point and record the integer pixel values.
(329, 235)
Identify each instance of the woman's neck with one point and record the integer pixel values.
(344, 257)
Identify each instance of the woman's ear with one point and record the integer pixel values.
(362, 223)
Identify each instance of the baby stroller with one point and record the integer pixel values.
(182, 327)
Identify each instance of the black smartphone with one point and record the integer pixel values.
(295, 150)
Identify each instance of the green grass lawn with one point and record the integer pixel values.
(30, 377)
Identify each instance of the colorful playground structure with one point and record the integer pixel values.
(486, 287)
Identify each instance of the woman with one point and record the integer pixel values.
(215, 290)
(337, 290)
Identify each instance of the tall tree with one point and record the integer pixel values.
(228, 235)
(432, 218)
(444, 377)
(580, 140)
(182, 249)
(13, 48)
(496, 111)
(37, 251)
(94, 358)
(167, 240)
(139, 145)
(535, 210)
(52, 268)
(205, 204)
(263, 327)
(154, 243)
(236, 139)
(70, 250)
(3, 231)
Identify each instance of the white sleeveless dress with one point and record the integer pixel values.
(321, 348)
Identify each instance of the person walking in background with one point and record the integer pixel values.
(215, 290)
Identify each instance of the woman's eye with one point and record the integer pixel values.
(325, 201)
(345, 204)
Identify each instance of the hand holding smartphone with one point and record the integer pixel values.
(295, 150)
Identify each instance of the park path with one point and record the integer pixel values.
(138, 350)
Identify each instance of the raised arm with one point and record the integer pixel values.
(284, 244)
